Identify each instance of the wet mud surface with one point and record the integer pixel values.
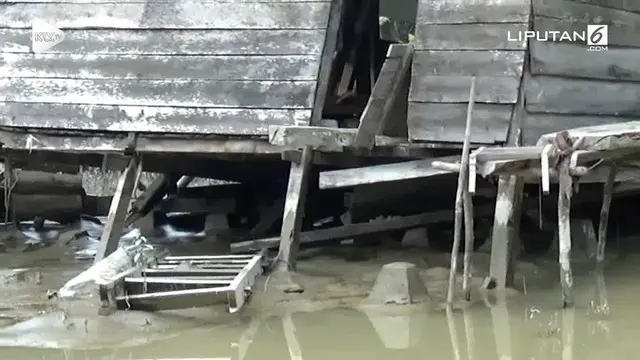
(325, 319)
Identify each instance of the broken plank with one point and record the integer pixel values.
(540, 124)
(569, 60)
(316, 137)
(547, 94)
(469, 37)
(473, 11)
(454, 89)
(353, 230)
(175, 15)
(582, 12)
(468, 63)
(628, 5)
(406, 170)
(192, 42)
(445, 122)
(154, 119)
(620, 34)
(148, 199)
(383, 98)
(185, 92)
(155, 67)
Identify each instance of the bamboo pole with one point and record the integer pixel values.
(462, 188)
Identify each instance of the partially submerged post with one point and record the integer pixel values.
(565, 192)
(463, 198)
(607, 194)
(294, 211)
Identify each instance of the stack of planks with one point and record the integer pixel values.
(456, 40)
(569, 86)
(184, 66)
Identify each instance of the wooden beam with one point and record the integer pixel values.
(357, 229)
(294, 211)
(315, 137)
(149, 198)
(406, 170)
(384, 95)
(118, 211)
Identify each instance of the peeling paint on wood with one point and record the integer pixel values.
(569, 60)
(76, 66)
(473, 11)
(189, 93)
(548, 94)
(540, 124)
(468, 63)
(628, 5)
(454, 89)
(188, 14)
(591, 14)
(149, 119)
(183, 42)
(445, 122)
(468, 37)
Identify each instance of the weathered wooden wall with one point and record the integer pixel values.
(181, 66)
(455, 40)
(568, 86)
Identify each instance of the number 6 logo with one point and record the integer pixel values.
(598, 35)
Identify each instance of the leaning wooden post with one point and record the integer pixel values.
(294, 211)
(564, 231)
(462, 189)
(118, 210)
(607, 195)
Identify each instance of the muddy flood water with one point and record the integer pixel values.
(530, 325)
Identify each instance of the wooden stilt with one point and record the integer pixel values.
(294, 211)
(118, 211)
(564, 232)
(463, 177)
(469, 241)
(607, 194)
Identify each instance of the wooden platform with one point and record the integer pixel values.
(178, 67)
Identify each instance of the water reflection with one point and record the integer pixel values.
(478, 333)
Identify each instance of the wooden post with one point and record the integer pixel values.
(294, 211)
(607, 195)
(564, 232)
(463, 177)
(469, 241)
(118, 211)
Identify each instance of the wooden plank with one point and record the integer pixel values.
(152, 1)
(569, 60)
(469, 37)
(326, 61)
(473, 11)
(546, 94)
(583, 12)
(539, 124)
(415, 169)
(192, 42)
(187, 93)
(454, 89)
(620, 33)
(628, 5)
(445, 122)
(468, 63)
(188, 14)
(315, 137)
(153, 67)
(383, 97)
(155, 119)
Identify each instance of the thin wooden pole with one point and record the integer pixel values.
(469, 241)
(564, 233)
(462, 188)
(607, 195)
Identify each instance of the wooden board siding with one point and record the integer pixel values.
(179, 66)
(455, 40)
(568, 86)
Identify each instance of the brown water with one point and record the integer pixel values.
(531, 326)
